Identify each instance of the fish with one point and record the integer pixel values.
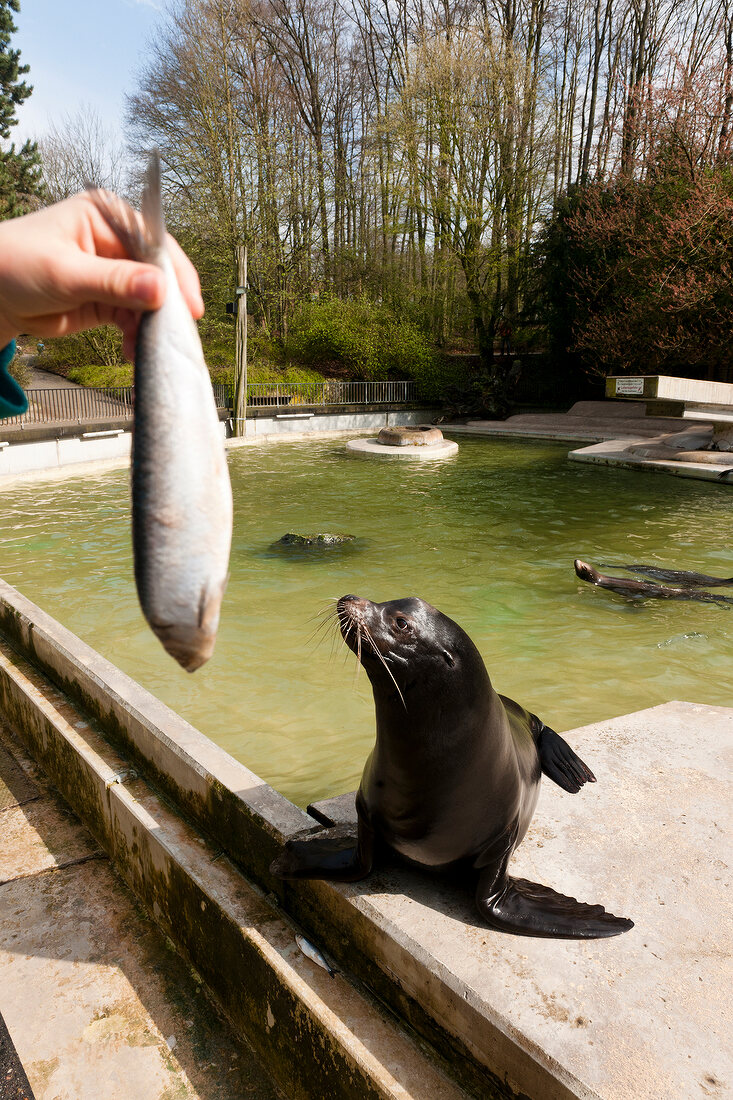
(642, 589)
(181, 493)
(682, 578)
(315, 955)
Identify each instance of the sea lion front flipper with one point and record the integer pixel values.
(560, 763)
(340, 854)
(529, 909)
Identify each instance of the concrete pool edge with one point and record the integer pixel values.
(68, 451)
(363, 926)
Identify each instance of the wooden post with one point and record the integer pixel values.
(240, 367)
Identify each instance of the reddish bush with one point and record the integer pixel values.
(638, 275)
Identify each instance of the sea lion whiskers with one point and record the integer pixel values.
(346, 627)
(373, 644)
(326, 616)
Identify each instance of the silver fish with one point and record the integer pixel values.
(314, 954)
(181, 494)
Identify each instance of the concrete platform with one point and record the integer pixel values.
(615, 453)
(640, 1017)
(98, 1004)
(609, 428)
(586, 421)
(372, 448)
(664, 387)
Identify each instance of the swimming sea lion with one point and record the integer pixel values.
(642, 589)
(680, 578)
(454, 775)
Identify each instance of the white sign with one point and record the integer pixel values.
(630, 386)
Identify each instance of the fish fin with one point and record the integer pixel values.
(529, 909)
(209, 606)
(140, 241)
(560, 763)
(124, 223)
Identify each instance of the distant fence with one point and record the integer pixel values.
(76, 405)
(331, 392)
(80, 404)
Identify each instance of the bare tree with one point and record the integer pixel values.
(80, 149)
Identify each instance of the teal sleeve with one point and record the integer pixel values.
(13, 401)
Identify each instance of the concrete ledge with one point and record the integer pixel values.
(355, 418)
(615, 453)
(52, 451)
(66, 454)
(232, 804)
(664, 387)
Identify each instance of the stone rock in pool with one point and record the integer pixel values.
(317, 540)
(424, 435)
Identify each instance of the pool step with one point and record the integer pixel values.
(319, 1035)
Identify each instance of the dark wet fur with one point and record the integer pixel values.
(644, 589)
(442, 735)
(680, 578)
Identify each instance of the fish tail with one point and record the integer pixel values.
(152, 203)
(141, 241)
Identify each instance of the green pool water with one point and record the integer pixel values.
(489, 537)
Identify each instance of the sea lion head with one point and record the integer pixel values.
(406, 645)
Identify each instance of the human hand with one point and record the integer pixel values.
(63, 269)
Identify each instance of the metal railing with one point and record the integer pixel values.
(330, 392)
(75, 405)
(80, 405)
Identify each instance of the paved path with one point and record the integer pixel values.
(45, 380)
(97, 1003)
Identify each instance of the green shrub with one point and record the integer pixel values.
(83, 349)
(99, 376)
(367, 339)
(262, 371)
(20, 370)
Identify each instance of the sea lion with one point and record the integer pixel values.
(681, 578)
(642, 589)
(454, 776)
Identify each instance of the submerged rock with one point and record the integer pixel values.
(315, 540)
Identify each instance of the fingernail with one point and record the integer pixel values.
(146, 287)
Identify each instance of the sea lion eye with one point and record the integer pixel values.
(401, 623)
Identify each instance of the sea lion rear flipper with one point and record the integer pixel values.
(340, 854)
(560, 763)
(529, 909)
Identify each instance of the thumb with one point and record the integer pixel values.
(124, 284)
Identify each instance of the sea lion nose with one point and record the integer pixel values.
(351, 606)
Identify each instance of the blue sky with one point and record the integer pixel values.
(79, 52)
